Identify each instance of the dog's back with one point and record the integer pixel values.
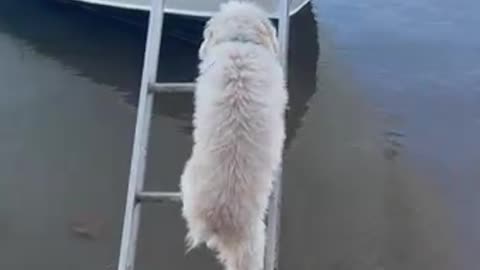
(239, 106)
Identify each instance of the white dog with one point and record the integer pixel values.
(240, 103)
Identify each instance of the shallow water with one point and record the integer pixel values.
(380, 169)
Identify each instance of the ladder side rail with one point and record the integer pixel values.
(274, 213)
(140, 144)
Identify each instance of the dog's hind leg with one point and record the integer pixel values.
(245, 254)
(197, 234)
(196, 227)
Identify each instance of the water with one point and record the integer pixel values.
(380, 170)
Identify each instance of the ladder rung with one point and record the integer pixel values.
(171, 87)
(158, 196)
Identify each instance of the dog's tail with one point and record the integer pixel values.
(245, 253)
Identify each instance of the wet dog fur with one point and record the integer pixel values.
(239, 131)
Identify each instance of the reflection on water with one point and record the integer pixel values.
(381, 122)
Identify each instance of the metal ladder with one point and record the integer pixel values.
(135, 193)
